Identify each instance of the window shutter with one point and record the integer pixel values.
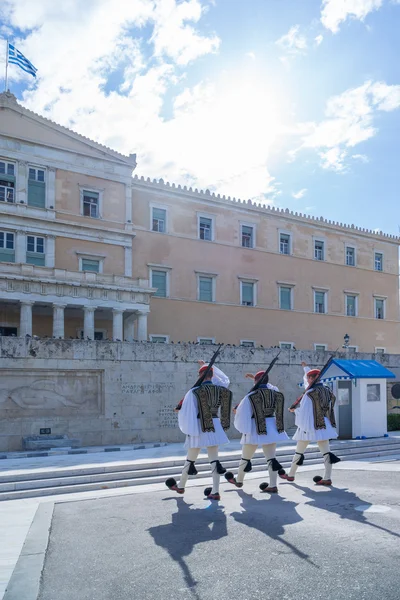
(36, 194)
(159, 281)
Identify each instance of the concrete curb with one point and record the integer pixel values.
(25, 580)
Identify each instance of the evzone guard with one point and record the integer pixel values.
(259, 417)
(204, 417)
(315, 421)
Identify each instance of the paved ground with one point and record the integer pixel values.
(306, 543)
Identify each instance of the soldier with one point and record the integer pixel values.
(259, 417)
(315, 420)
(204, 416)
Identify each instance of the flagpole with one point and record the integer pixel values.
(5, 84)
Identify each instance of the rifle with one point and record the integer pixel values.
(204, 374)
(316, 380)
(262, 379)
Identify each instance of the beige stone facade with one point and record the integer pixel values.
(88, 251)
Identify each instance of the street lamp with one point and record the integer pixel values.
(346, 341)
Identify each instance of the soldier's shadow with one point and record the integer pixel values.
(342, 502)
(270, 515)
(189, 527)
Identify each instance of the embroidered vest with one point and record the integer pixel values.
(267, 403)
(210, 398)
(323, 402)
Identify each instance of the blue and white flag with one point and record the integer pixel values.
(16, 57)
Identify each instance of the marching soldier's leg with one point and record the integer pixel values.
(329, 460)
(273, 468)
(188, 469)
(297, 461)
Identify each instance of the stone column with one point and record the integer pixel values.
(128, 261)
(142, 326)
(25, 324)
(58, 320)
(129, 328)
(51, 188)
(118, 330)
(21, 193)
(20, 247)
(50, 250)
(128, 203)
(88, 322)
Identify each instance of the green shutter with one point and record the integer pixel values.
(7, 255)
(90, 265)
(159, 281)
(35, 258)
(37, 193)
(205, 289)
(247, 293)
(285, 298)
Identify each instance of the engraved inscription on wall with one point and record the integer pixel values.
(25, 393)
(167, 417)
(147, 388)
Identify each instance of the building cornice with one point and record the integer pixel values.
(206, 197)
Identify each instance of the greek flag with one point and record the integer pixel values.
(16, 57)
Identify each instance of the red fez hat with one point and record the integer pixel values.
(203, 368)
(313, 372)
(259, 374)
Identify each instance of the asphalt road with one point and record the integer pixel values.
(306, 543)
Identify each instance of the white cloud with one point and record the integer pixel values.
(361, 157)
(251, 55)
(318, 40)
(335, 12)
(213, 135)
(349, 121)
(293, 43)
(299, 194)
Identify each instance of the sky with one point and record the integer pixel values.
(292, 103)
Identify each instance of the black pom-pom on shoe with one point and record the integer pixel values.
(170, 482)
(229, 476)
(317, 478)
(207, 491)
(281, 472)
(263, 485)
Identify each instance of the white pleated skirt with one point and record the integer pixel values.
(208, 438)
(272, 436)
(316, 435)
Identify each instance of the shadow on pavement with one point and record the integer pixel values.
(189, 527)
(340, 501)
(270, 516)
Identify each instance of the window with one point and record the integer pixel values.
(7, 249)
(91, 204)
(378, 261)
(159, 281)
(247, 234)
(206, 289)
(88, 264)
(248, 343)
(380, 350)
(203, 340)
(205, 228)
(319, 248)
(159, 220)
(285, 298)
(7, 182)
(286, 345)
(35, 250)
(99, 334)
(379, 308)
(247, 293)
(36, 187)
(350, 256)
(320, 302)
(351, 306)
(159, 339)
(8, 331)
(373, 392)
(284, 243)
(352, 348)
(320, 347)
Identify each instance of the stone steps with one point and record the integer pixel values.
(82, 479)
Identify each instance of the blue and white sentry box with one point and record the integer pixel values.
(360, 390)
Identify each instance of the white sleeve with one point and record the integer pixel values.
(304, 414)
(273, 387)
(305, 382)
(243, 415)
(187, 416)
(219, 378)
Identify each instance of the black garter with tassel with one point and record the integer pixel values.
(192, 469)
(276, 466)
(249, 466)
(301, 459)
(333, 459)
(220, 469)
